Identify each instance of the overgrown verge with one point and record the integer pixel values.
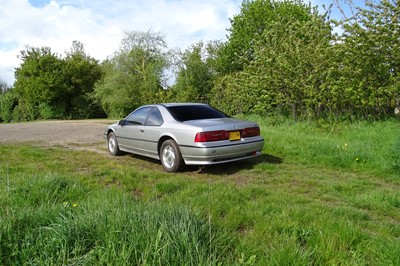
(54, 220)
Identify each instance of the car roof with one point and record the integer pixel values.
(180, 104)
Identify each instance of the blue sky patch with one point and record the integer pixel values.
(8, 46)
(39, 3)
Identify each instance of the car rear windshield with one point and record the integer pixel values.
(194, 112)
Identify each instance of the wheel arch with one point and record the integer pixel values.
(109, 131)
(161, 141)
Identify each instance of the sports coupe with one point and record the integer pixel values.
(184, 133)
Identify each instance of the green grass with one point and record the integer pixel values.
(361, 146)
(305, 201)
(52, 219)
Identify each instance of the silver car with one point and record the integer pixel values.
(184, 133)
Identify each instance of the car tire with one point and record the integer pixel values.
(112, 144)
(170, 156)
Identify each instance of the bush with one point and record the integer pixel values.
(51, 112)
(8, 102)
(25, 111)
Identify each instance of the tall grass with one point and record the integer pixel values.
(53, 220)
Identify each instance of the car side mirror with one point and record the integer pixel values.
(121, 122)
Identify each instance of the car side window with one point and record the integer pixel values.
(138, 117)
(155, 118)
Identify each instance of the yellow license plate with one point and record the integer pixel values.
(234, 135)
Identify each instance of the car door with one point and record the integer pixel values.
(131, 133)
(152, 131)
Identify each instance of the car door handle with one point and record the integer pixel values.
(141, 131)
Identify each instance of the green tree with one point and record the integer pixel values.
(49, 86)
(255, 18)
(368, 62)
(40, 85)
(288, 67)
(196, 72)
(81, 73)
(135, 75)
(292, 65)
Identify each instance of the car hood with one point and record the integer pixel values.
(220, 123)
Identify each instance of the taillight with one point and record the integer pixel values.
(211, 136)
(250, 132)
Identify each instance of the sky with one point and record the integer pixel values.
(100, 24)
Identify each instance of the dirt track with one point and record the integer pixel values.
(77, 134)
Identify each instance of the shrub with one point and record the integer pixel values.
(8, 101)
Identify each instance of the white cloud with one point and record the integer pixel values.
(99, 25)
(8, 61)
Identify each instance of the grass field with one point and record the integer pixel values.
(321, 194)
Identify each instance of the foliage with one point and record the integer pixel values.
(291, 62)
(289, 65)
(81, 72)
(255, 18)
(134, 76)
(40, 79)
(231, 94)
(196, 73)
(8, 102)
(49, 86)
(367, 66)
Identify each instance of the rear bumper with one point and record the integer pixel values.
(221, 154)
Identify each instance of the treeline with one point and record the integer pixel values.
(48, 86)
(280, 57)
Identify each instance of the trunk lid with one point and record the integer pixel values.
(228, 124)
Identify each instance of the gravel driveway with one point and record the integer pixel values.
(77, 134)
